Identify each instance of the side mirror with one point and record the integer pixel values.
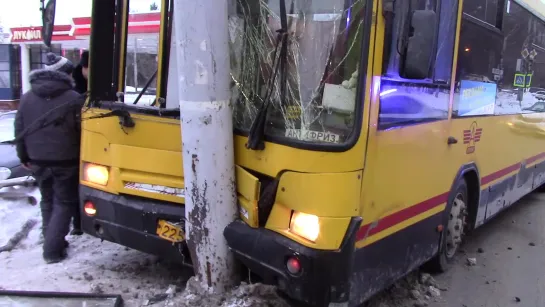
(420, 48)
(48, 21)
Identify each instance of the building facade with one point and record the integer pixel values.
(27, 51)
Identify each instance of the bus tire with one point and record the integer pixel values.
(453, 233)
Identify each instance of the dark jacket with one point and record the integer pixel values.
(81, 82)
(47, 125)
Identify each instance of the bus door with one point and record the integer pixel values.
(408, 136)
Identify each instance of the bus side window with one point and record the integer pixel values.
(500, 58)
(485, 10)
(414, 101)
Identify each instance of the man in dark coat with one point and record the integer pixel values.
(47, 130)
(80, 73)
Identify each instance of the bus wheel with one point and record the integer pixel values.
(453, 234)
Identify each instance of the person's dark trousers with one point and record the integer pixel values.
(76, 222)
(45, 183)
(65, 184)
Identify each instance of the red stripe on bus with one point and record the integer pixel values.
(407, 213)
(535, 158)
(400, 216)
(500, 173)
(510, 169)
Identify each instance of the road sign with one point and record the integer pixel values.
(525, 53)
(497, 71)
(528, 80)
(523, 80)
(520, 80)
(533, 54)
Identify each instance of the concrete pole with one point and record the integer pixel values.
(207, 137)
(25, 68)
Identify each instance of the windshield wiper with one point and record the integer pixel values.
(125, 118)
(257, 129)
(145, 87)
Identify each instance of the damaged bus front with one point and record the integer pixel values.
(132, 187)
(301, 72)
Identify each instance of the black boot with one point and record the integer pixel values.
(76, 232)
(50, 259)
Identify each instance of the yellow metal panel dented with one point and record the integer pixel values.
(332, 230)
(247, 184)
(248, 211)
(144, 160)
(325, 195)
(149, 132)
(147, 160)
(248, 187)
(333, 197)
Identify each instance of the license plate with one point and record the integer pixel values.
(169, 231)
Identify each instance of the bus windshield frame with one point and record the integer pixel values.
(336, 34)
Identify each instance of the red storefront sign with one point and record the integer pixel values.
(139, 23)
(26, 34)
(34, 34)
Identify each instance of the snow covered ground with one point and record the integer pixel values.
(103, 267)
(93, 266)
(506, 103)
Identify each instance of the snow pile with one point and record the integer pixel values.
(14, 213)
(416, 289)
(245, 295)
(93, 266)
(507, 103)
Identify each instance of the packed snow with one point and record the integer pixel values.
(93, 266)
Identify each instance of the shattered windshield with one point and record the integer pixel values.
(314, 63)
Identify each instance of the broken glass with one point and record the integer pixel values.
(314, 93)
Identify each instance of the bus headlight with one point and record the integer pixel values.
(305, 225)
(96, 174)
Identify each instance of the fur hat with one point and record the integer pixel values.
(59, 63)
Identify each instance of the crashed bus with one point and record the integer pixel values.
(392, 129)
(131, 169)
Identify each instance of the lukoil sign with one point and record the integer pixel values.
(30, 34)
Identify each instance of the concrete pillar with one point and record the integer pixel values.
(207, 137)
(25, 67)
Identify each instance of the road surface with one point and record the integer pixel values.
(510, 254)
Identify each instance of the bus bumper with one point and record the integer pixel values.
(132, 222)
(325, 276)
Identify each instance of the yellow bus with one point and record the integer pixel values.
(392, 129)
(415, 122)
(131, 169)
